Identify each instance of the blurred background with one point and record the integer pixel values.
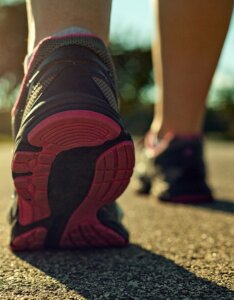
(131, 31)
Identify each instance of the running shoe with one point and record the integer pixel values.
(174, 170)
(73, 157)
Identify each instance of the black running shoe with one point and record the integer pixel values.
(174, 171)
(72, 157)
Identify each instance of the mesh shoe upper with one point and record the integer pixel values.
(36, 81)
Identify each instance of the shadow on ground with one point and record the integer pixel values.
(130, 273)
(223, 205)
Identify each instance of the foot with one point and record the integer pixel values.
(173, 169)
(72, 157)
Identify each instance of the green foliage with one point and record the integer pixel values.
(9, 88)
(10, 2)
(220, 118)
(134, 73)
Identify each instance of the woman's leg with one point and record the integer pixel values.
(48, 17)
(189, 39)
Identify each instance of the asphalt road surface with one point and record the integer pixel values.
(176, 251)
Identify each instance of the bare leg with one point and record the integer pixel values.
(47, 17)
(189, 40)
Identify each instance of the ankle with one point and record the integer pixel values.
(178, 132)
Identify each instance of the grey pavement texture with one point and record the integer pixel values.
(176, 251)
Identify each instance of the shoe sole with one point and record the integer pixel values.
(189, 199)
(146, 189)
(112, 166)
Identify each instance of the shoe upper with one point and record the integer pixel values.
(76, 65)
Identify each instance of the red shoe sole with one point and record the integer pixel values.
(55, 134)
